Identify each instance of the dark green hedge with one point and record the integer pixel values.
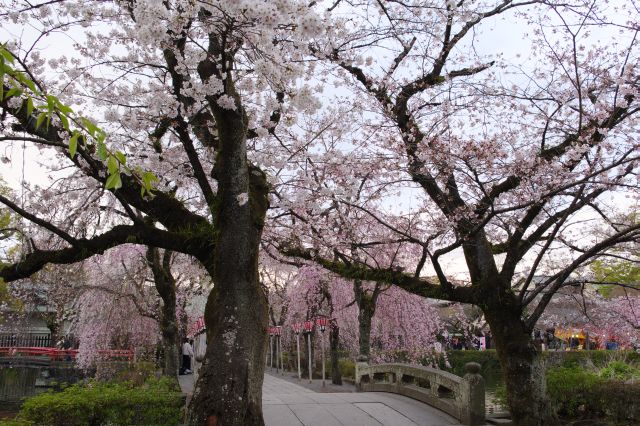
(600, 385)
(597, 358)
(347, 368)
(156, 402)
(489, 359)
(579, 393)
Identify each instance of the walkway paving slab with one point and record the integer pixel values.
(280, 415)
(384, 414)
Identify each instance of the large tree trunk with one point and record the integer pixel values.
(166, 287)
(523, 370)
(365, 314)
(170, 337)
(334, 341)
(170, 344)
(366, 301)
(229, 387)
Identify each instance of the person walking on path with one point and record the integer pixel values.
(187, 353)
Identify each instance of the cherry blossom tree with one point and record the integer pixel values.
(403, 327)
(175, 282)
(115, 304)
(605, 318)
(277, 279)
(182, 90)
(620, 317)
(7, 233)
(466, 320)
(115, 309)
(504, 157)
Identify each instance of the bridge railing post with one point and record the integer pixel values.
(472, 394)
(361, 363)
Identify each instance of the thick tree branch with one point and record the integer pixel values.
(163, 207)
(408, 282)
(553, 283)
(85, 248)
(40, 222)
(196, 165)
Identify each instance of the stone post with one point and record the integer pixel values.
(398, 382)
(472, 395)
(362, 362)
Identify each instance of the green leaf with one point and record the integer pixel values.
(73, 144)
(112, 165)
(100, 136)
(6, 55)
(14, 91)
(41, 117)
(27, 82)
(51, 103)
(64, 120)
(91, 128)
(102, 151)
(63, 108)
(121, 157)
(114, 182)
(29, 105)
(148, 179)
(19, 77)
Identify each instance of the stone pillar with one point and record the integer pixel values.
(362, 362)
(398, 382)
(472, 395)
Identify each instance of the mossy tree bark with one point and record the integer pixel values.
(523, 370)
(366, 301)
(165, 285)
(229, 388)
(334, 347)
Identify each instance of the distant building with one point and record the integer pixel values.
(35, 324)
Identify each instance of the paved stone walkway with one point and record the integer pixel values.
(288, 404)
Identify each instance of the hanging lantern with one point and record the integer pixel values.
(322, 323)
(308, 326)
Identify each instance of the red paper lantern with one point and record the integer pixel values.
(308, 326)
(322, 322)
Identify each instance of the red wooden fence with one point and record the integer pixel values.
(61, 354)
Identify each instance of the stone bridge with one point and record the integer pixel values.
(461, 397)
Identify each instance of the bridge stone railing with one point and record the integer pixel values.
(460, 397)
